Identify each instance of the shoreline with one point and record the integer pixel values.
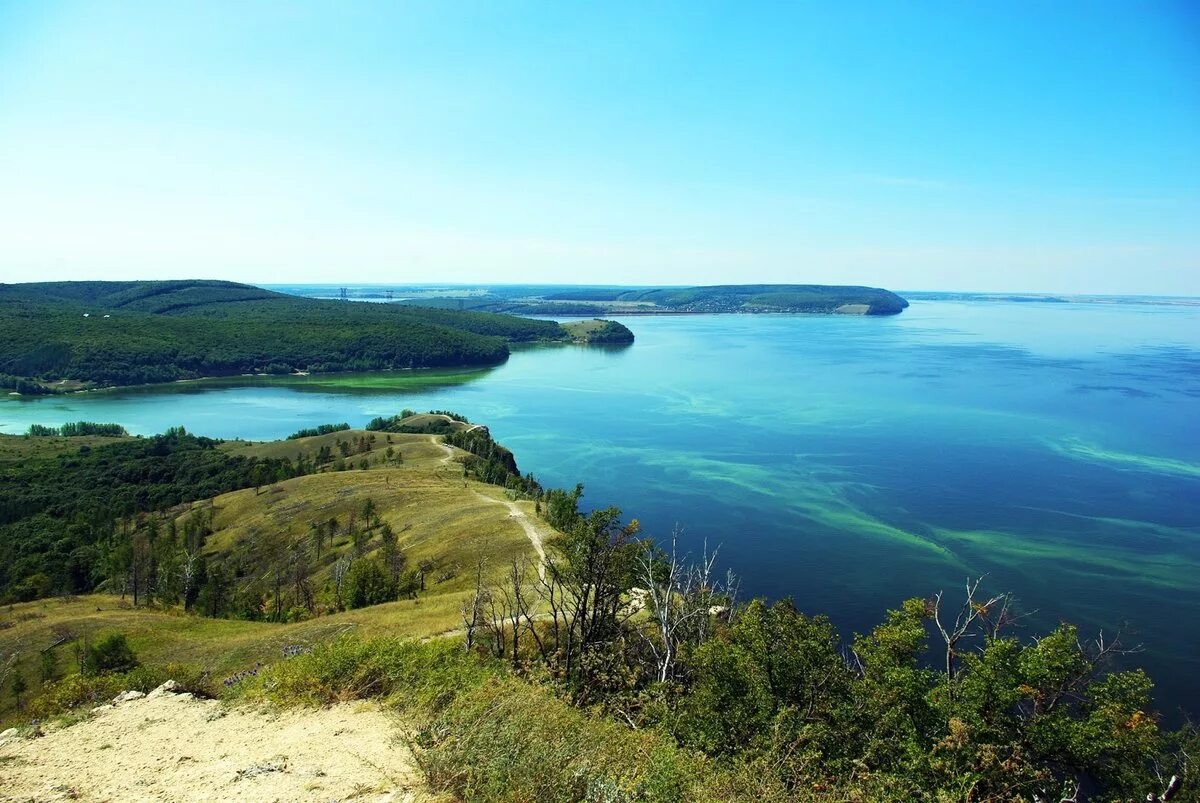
(169, 383)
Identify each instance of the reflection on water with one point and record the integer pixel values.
(847, 462)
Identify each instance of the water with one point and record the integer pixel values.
(847, 462)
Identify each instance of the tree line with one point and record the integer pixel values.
(60, 514)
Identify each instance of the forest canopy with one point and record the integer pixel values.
(119, 333)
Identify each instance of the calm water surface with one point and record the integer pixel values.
(847, 462)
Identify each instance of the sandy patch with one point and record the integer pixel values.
(178, 748)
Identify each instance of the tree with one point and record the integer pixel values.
(110, 654)
(316, 538)
(393, 558)
(367, 584)
(49, 665)
(18, 687)
(340, 569)
(680, 600)
(368, 511)
(301, 587)
(474, 606)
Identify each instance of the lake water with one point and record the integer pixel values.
(847, 462)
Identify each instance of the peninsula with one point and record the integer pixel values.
(66, 336)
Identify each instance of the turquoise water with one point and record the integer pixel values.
(847, 462)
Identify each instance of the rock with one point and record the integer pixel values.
(170, 687)
(11, 733)
(126, 696)
(100, 709)
(263, 768)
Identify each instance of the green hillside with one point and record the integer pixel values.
(67, 335)
(596, 301)
(749, 298)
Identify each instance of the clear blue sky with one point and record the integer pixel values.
(1049, 146)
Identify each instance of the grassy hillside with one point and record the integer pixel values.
(66, 335)
(445, 526)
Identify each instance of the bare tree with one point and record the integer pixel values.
(473, 607)
(964, 620)
(299, 566)
(340, 569)
(681, 599)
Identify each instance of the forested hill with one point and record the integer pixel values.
(115, 333)
(584, 300)
(749, 298)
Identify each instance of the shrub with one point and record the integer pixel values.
(415, 676)
(509, 740)
(110, 654)
(78, 690)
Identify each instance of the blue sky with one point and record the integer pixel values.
(961, 146)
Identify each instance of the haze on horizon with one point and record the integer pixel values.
(1019, 146)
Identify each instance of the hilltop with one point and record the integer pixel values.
(61, 336)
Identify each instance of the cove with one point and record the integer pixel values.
(846, 462)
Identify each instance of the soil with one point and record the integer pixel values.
(179, 748)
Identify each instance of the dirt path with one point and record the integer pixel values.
(530, 528)
(178, 748)
(445, 461)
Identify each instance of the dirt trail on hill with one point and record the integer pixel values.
(445, 461)
(175, 747)
(531, 530)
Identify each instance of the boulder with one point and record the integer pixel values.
(126, 696)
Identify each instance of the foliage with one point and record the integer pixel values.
(77, 690)
(137, 332)
(367, 583)
(111, 653)
(65, 519)
(78, 429)
(322, 429)
(414, 424)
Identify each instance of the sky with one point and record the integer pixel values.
(1018, 146)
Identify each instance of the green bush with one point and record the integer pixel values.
(78, 690)
(110, 654)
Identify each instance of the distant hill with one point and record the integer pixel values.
(586, 300)
(68, 335)
(750, 298)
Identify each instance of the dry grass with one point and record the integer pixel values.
(15, 447)
(437, 515)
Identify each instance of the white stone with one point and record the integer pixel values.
(126, 696)
(11, 733)
(170, 687)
